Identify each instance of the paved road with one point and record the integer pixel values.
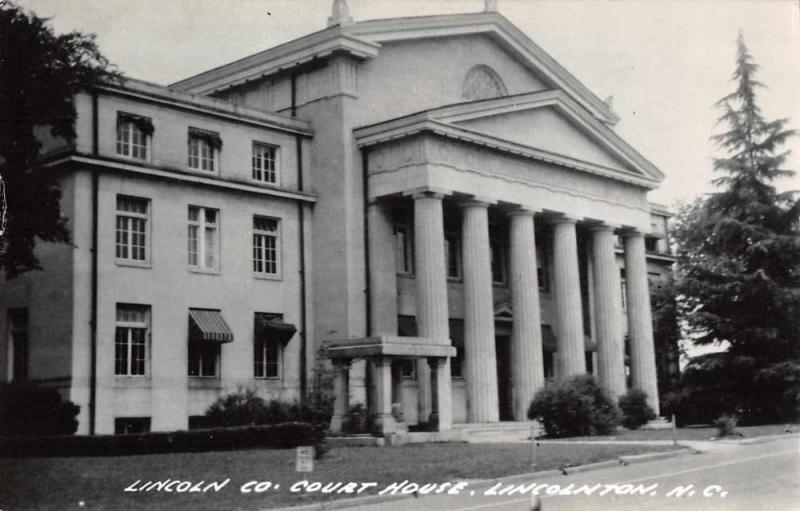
(752, 477)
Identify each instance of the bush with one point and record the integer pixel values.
(29, 410)
(277, 436)
(574, 407)
(726, 426)
(635, 410)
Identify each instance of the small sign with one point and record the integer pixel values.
(305, 459)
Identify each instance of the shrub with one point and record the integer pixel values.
(29, 410)
(574, 407)
(357, 420)
(240, 408)
(635, 410)
(276, 436)
(726, 426)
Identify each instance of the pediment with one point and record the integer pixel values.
(552, 123)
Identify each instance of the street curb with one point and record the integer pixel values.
(769, 438)
(478, 483)
(653, 456)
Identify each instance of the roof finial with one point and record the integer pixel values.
(489, 5)
(340, 15)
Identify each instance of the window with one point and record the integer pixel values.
(133, 132)
(623, 290)
(130, 340)
(408, 369)
(203, 359)
(452, 255)
(131, 425)
(265, 163)
(403, 250)
(498, 262)
(651, 244)
(18, 342)
(482, 82)
(131, 238)
(541, 269)
(266, 245)
(266, 356)
(203, 148)
(203, 238)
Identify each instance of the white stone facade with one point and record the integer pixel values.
(465, 201)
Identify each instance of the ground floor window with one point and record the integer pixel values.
(131, 425)
(130, 340)
(203, 359)
(267, 353)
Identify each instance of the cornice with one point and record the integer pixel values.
(424, 122)
(154, 93)
(173, 175)
(300, 51)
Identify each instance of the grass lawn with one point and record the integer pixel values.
(697, 433)
(60, 483)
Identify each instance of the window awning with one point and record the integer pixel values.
(145, 124)
(212, 137)
(271, 326)
(209, 326)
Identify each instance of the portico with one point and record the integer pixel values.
(495, 196)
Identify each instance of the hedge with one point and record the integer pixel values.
(274, 436)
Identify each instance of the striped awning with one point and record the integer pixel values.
(208, 325)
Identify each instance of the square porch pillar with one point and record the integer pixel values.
(341, 393)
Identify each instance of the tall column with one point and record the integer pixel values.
(479, 350)
(382, 271)
(431, 279)
(440, 369)
(527, 369)
(382, 420)
(569, 313)
(608, 312)
(640, 319)
(341, 393)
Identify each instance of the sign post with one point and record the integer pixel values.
(304, 461)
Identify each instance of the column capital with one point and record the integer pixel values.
(427, 191)
(475, 203)
(522, 211)
(602, 227)
(564, 219)
(631, 233)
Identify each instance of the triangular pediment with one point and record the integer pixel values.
(550, 122)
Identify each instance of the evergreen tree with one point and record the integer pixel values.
(40, 73)
(739, 254)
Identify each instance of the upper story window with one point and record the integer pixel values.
(266, 245)
(265, 163)
(482, 82)
(452, 255)
(130, 340)
(133, 133)
(131, 229)
(498, 258)
(203, 238)
(403, 250)
(541, 269)
(204, 147)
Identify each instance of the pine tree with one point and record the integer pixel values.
(739, 254)
(40, 73)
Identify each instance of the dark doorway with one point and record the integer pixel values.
(503, 354)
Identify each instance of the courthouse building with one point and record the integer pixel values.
(435, 198)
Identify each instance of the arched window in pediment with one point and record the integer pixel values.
(482, 82)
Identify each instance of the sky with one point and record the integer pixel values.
(664, 62)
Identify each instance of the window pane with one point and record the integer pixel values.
(121, 351)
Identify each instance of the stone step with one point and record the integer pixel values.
(658, 423)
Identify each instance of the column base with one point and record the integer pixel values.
(382, 424)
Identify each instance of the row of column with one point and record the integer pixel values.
(527, 371)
